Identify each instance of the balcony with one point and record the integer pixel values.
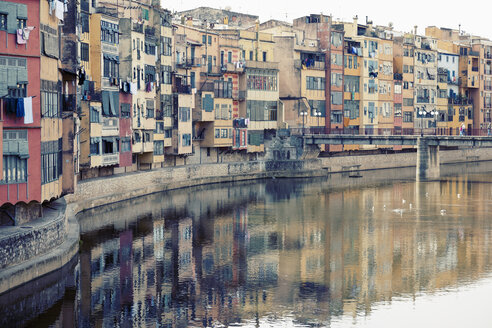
(423, 100)
(261, 65)
(110, 159)
(233, 67)
(137, 27)
(148, 147)
(187, 63)
(310, 64)
(183, 88)
(460, 101)
(240, 95)
(110, 126)
(69, 103)
(487, 71)
(213, 71)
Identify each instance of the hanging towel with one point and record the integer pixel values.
(20, 39)
(133, 88)
(60, 8)
(26, 31)
(28, 119)
(20, 108)
(11, 105)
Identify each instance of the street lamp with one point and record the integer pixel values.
(303, 114)
(434, 113)
(421, 113)
(318, 115)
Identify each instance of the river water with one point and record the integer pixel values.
(374, 249)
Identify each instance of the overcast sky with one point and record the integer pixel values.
(474, 15)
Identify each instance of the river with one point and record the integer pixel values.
(370, 249)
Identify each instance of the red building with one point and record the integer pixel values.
(31, 112)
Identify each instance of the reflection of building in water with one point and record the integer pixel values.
(316, 252)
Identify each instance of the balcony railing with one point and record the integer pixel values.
(460, 101)
(260, 64)
(110, 159)
(191, 62)
(183, 89)
(423, 100)
(299, 64)
(110, 125)
(233, 67)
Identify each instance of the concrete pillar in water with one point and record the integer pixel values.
(427, 160)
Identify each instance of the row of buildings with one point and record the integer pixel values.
(94, 88)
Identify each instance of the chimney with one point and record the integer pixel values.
(415, 29)
(189, 21)
(355, 20)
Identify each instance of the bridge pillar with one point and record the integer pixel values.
(427, 160)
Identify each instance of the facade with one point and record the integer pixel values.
(30, 90)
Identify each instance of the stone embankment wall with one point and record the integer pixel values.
(98, 192)
(47, 244)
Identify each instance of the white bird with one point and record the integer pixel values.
(384, 207)
(410, 205)
(372, 209)
(458, 195)
(426, 194)
(403, 201)
(443, 212)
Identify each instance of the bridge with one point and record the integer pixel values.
(427, 146)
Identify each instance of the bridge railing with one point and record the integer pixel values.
(392, 131)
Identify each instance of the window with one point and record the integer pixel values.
(217, 133)
(259, 110)
(3, 22)
(209, 39)
(336, 79)
(265, 80)
(149, 48)
(351, 83)
(51, 161)
(95, 146)
(95, 114)
(21, 23)
(166, 75)
(336, 39)
(336, 116)
(407, 117)
(126, 145)
(84, 51)
(317, 106)
(186, 140)
(167, 105)
(315, 83)
(351, 108)
(159, 127)
(14, 169)
(168, 133)
(109, 32)
(159, 147)
(264, 56)
(15, 156)
(407, 101)
(184, 114)
(337, 59)
(229, 57)
(125, 110)
(110, 145)
(111, 66)
(251, 55)
(336, 98)
(49, 104)
(166, 46)
(150, 108)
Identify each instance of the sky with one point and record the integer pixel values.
(474, 17)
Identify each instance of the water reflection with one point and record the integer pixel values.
(282, 251)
